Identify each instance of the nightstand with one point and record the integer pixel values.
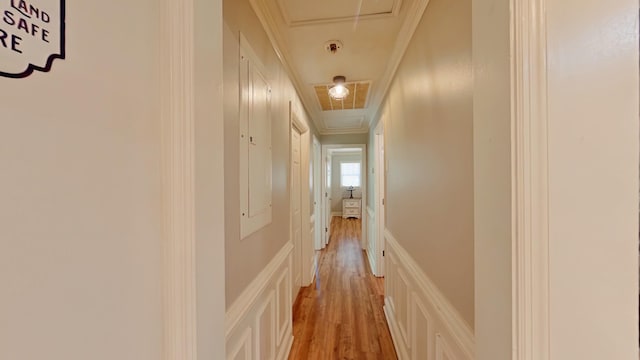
(351, 208)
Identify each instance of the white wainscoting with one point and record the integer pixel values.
(371, 240)
(424, 325)
(259, 324)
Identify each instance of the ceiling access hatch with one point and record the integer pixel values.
(357, 99)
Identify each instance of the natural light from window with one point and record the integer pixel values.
(350, 174)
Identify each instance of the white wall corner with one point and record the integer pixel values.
(178, 183)
(530, 161)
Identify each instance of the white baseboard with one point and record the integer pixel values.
(423, 323)
(395, 331)
(264, 307)
(336, 213)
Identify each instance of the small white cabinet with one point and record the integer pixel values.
(351, 208)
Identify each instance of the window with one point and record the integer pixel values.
(349, 174)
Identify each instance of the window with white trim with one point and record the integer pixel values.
(350, 174)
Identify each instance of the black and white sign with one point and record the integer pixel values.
(31, 36)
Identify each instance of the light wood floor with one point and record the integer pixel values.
(340, 316)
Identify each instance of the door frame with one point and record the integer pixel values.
(379, 188)
(192, 182)
(317, 192)
(297, 254)
(326, 149)
(298, 121)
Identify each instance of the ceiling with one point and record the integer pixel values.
(374, 35)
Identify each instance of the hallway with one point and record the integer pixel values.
(341, 317)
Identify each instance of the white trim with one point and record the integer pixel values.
(370, 212)
(336, 213)
(249, 296)
(178, 168)
(269, 306)
(395, 329)
(281, 329)
(296, 119)
(317, 196)
(371, 236)
(244, 343)
(379, 179)
(298, 122)
(326, 151)
(285, 351)
(530, 180)
(460, 331)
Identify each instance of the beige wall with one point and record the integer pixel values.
(593, 178)
(80, 190)
(337, 191)
(429, 146)
(492, 176)
(247, 257)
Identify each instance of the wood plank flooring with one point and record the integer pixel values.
(340, 316)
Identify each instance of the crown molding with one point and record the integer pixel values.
(374, 101)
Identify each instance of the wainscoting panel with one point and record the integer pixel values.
(401, 293)
(423, 324)
(443, 351)
(266, 329)
(259, 323)
(243, 349)
(421, 332)
(283, 311)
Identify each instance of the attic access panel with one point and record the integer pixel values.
(357, 99)
(298, 13)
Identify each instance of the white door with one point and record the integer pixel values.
(296, 218)
(327, 198)
(379, 199)
(317, 191)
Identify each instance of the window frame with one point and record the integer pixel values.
(359, 174)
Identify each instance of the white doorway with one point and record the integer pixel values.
(301, 201)
(379, 200)
(296, 209)
(317, 194)
(331, 195)
(326, 198)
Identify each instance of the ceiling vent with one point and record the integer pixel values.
(357, 98)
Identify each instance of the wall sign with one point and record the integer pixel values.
(32, 36)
